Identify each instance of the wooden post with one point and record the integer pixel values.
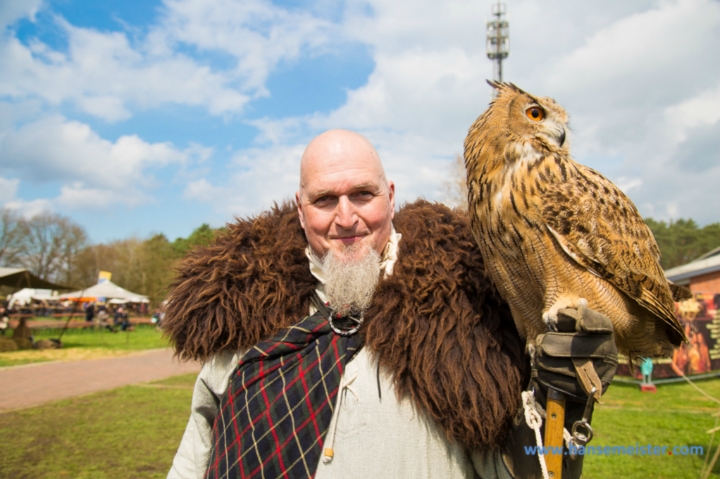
(554, 424)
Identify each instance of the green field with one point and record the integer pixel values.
(130, 432)
(87, 343)
(144, 336)
(677, 415)
(134, 432)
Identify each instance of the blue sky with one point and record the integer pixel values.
(137, 117)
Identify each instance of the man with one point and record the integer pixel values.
(90, 312)
(429, 365)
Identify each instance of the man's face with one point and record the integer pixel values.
(345, 204)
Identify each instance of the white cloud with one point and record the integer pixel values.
(700, 110)
(109, 76)
(426, 92)
(635, 49)
(94, 172)
(30, 208)
(255, 179)
(627, 184)
(202, 190)
(8, 199)
(8, 189)
(79, 197)
(255, 33)
(107, 107)
(54, 148)
(12, 10)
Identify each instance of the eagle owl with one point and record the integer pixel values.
(557, 234)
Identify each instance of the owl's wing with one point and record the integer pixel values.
(600, 228)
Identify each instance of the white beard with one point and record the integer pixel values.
(350, 281)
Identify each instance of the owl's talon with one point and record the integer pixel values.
(550, 317)
(552, 326)
(551, 321)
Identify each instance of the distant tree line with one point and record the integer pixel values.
(57, 249)
(683, 240)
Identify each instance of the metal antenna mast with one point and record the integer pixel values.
(498, 39)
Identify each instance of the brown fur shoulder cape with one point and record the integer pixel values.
(437, 325)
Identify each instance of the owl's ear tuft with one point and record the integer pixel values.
(500, 86)
(495, 84)
(516, 88)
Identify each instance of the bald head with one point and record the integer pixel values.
(338, 147)
(344, 197)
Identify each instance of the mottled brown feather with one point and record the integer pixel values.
(608, 236)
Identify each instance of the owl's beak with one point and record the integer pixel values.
(562, 137)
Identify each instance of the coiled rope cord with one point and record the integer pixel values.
(533, 418)
(534, 414)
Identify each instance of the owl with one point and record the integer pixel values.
(557, 234)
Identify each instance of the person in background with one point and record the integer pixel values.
(121, 318)
(102, 318)
(4, 319)
(90, 312)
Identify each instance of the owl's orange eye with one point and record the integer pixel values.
(535, 113)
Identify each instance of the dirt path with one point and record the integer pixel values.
(28, 386)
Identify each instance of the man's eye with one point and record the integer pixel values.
(322, 199)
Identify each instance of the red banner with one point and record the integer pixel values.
(701, 320)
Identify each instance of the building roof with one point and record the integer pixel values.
(714, 252)
(707, 263)
(19, 278)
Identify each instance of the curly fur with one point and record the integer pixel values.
(437, 324)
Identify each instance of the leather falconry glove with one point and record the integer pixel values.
(579, 355)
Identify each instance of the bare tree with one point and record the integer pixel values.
(11, 238)
(456, 192)
(51, 245)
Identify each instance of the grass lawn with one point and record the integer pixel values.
(130, 432)
(134, 432)
(86, 344)
(677, 415)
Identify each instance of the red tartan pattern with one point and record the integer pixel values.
(279, 404)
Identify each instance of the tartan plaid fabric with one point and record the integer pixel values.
(280, 402)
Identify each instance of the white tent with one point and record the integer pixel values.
(107, 290)
(26, 295)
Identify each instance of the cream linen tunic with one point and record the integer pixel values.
(373, 434)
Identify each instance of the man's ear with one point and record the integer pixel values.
(391, 190)
(300, 210)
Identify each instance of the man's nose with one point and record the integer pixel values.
(345, 215)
